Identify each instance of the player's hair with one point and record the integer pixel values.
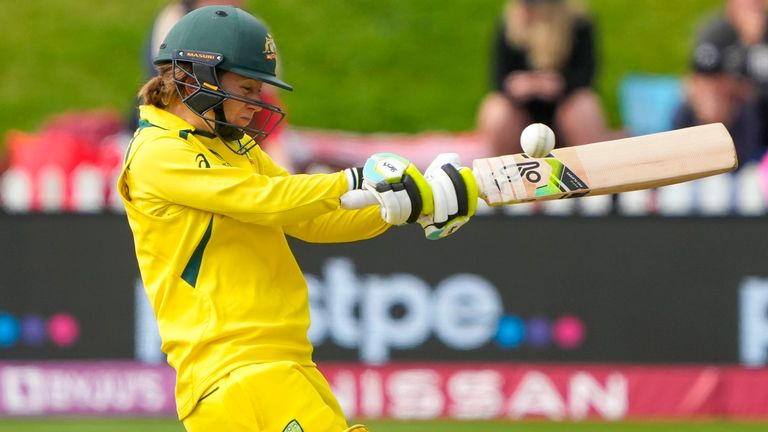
(547, 38)
(160, 90)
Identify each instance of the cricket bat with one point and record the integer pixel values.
(608, 167)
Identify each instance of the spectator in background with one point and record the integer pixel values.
(543, 70)
(729, 77)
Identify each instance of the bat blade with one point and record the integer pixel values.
(608, 167)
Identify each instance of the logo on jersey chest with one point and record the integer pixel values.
(202, 161)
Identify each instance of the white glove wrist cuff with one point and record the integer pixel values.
(354, 178)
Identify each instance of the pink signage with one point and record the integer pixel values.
(419, 391)
(85, 388)
(554, 392)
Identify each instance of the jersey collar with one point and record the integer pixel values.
(162, 118)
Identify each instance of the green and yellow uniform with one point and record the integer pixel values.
(210, 233)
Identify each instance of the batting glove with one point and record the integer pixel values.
(455, 194)
(402, 192)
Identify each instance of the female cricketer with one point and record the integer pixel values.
(210, 212)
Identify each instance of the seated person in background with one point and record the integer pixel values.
(719, 87)
(746, 24)
(543, 70)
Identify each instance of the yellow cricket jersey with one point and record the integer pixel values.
(210, 230)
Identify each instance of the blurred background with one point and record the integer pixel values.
(361, 66)
(643, 311)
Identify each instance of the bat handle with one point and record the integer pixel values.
(357, 199)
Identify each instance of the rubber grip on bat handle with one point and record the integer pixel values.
(357, 199)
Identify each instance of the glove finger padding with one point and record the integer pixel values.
(473, 191)
(399, 187)
(419, 190)
(457, 189)
(443, 195)
(442, 159)
(395, 205)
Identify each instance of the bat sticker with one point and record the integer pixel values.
(560, 180)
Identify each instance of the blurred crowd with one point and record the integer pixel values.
(543, 71)
(543, 61)
(728, 81)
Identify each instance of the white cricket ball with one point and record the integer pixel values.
(537, 140)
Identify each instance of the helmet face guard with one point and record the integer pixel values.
(207, 95)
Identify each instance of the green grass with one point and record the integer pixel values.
(162, 425)
(96, 425)
(363, 65)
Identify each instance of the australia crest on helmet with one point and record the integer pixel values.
(270, 49)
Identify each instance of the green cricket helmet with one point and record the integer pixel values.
(215, 38)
